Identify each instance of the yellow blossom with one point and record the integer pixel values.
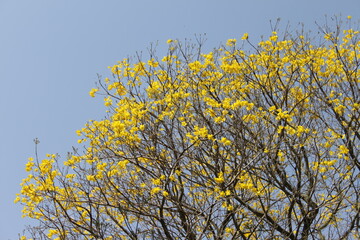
(245, 36)
(93, 91)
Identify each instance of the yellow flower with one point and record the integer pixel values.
(327, 36)
(231, 42)
(52, 232)
(343, 149)
(155, 190)
(245, 36)
(156, 181)
(29, 166)
(225, 141)
(90, 178)
(153, 63)
(70, 175)
(17, 199)
(274, 38)
(108, 101)
(93, 91)
(220, 178)
(272, 108)
(122, 164)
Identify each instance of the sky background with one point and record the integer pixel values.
(52, 50)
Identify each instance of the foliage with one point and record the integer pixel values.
(232, 144)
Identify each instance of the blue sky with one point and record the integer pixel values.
(51, 52)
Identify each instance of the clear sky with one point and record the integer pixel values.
(52, 50)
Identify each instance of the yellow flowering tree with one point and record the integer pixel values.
(232, 144)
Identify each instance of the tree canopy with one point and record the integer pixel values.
(243, 142)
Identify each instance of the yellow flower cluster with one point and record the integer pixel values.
(248, 130)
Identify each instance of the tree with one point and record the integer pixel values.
(233, 144)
